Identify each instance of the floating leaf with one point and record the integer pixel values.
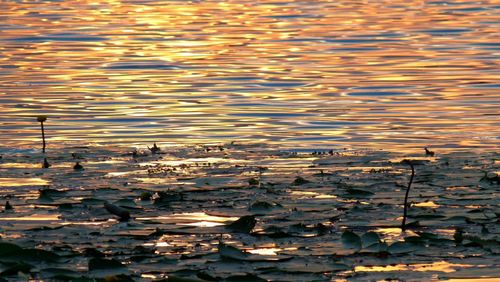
(244, 224)
(245, 278)
(370, 238)
(172, 278)
(231, 252)
(402, 248)
(355, 192)
(7, 249)
(301, 265)
(300, 181)
(125, 203)
(262, 208)
(100, 264)
(377, 248)
(122, 213)
(59, 274)
(16, 268)
(27, 255)
(253, 182)
(351, 240)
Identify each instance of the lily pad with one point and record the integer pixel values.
(370, 238)
(244, 224)
(351, 240)
(402, 248)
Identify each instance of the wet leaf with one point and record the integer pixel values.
(27, 255)
(59, 274)
(172, 278)
(355, 192)
(119, 278)
(100, 264)
(244, 224)
(122, 213)
(370, 238)
(7, 249)
(301, 265)
(262, 208)
(230, 252)
(402, 248)
(253, 182)
(16, 268)
(245, 278)
(351, 240)
(300, 181)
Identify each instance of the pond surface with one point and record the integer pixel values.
(379, 74)
(247, 213)
(282, 127)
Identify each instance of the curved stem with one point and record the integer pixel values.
(403, 224)
(43, 137)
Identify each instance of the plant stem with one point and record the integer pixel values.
(403, 224)
(43, 137)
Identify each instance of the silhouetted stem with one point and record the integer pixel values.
(43, 137)
(403, 225)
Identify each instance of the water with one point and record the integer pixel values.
(380, 74)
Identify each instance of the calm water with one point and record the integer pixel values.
(382, 74)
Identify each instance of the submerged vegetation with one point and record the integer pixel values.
(247, 213)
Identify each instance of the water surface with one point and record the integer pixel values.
(381, 74)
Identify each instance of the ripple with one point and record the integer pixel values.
(372, 74)
(445, 31)
(66, 37)
(378, 93)
(141, 65)
(271, 115)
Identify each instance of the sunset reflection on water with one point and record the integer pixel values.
(381, 74)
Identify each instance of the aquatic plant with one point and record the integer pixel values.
(78, 166)
(244, 224)
(41, 119)
(429, 152)
(405, 210)
(122, 213)
(155, 149)
(45, 163)
(8, 206)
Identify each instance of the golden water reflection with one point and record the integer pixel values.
(337, 73)
(9, 182)
(440, 266)
(33, 217)
(199, 219)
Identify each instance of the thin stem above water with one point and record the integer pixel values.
(405, 211)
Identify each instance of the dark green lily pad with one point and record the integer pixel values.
(101, 263)
(402, 248)
(369, 238)
(351, 240)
